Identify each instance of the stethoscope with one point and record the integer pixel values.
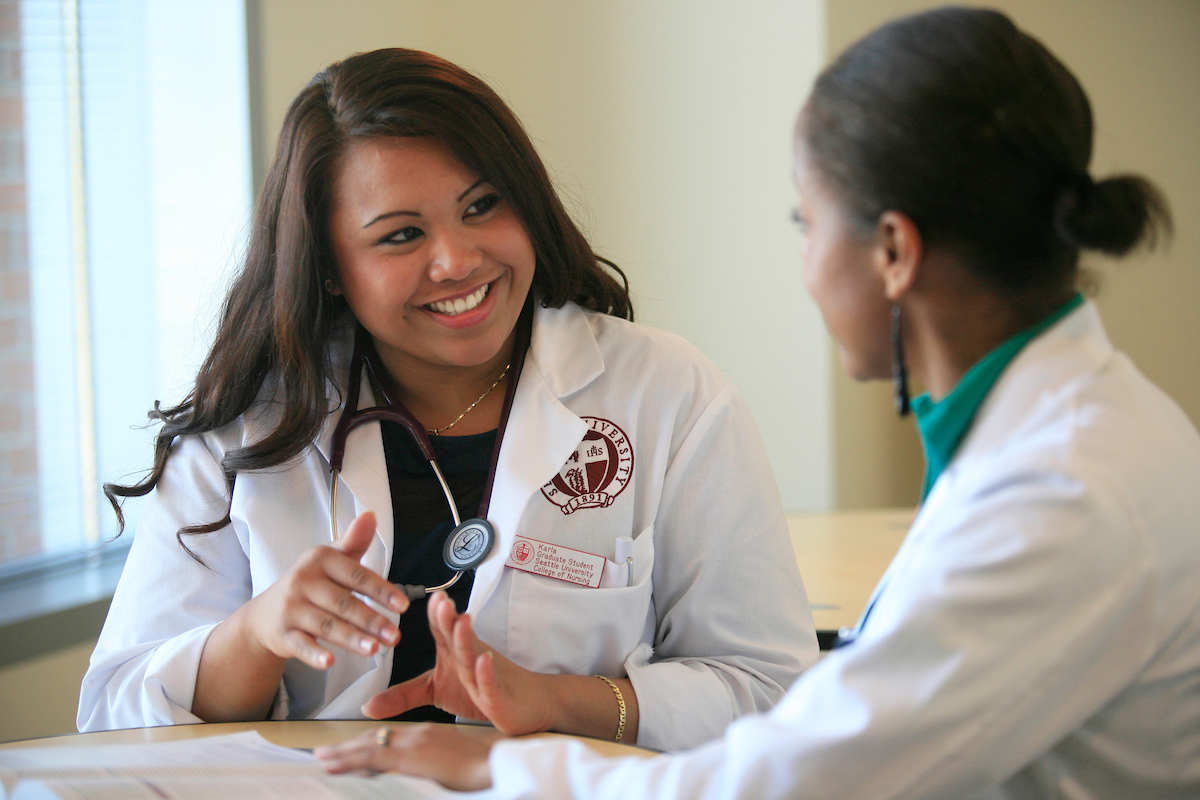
(470, 541)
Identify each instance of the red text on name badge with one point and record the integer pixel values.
(556, 561)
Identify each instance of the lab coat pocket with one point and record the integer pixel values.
(561, 627)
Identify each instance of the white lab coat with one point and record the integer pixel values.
(713, 624)
(1036, 636)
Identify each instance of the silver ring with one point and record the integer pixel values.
(383, 736)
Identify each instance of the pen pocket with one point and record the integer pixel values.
(616, 576)
(561, 627)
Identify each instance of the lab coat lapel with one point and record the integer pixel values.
(364, 481)
(1075, 345)
(542, 432)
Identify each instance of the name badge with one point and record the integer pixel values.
(556, 561)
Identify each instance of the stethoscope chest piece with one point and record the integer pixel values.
(469, 544)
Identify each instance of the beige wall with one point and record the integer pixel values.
(1140, 64)
(39, 697)
(663, 134)
(667, 124)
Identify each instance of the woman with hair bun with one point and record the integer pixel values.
(424, 371)
(1038, 632)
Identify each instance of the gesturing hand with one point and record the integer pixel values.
(315, 600)
(470, 680)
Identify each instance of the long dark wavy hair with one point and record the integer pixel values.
(277, 320)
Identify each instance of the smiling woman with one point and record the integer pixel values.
(419, 320)
(435, 265)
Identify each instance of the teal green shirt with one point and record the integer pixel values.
(944, 424)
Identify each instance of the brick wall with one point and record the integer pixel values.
(19, 531)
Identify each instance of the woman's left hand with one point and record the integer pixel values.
(470, 680)
(455, 758)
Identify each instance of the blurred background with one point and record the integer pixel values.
(134, 133)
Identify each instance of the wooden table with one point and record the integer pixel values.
(842, 555)
(306, 733)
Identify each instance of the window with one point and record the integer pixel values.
(124, 195)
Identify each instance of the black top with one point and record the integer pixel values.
(422, 520)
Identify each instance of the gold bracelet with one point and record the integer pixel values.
(620, 705)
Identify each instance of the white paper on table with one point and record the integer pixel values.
(248, 747)
(227, 767)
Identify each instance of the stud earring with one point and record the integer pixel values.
(899, 370)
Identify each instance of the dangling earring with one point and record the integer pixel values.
(899, 371)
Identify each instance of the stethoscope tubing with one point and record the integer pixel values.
(413, 591)
(395, 411)
(333, 534)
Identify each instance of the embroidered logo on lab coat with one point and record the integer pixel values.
(598, 470)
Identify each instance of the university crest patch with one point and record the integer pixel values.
(598, 470)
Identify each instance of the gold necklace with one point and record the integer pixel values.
(436, 431)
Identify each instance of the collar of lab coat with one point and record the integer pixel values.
(364, 478)
(542, 432)
(1070, 351)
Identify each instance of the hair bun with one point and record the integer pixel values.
(1113, 215)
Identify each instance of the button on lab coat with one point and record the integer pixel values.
(712, 623)
(1036, 636)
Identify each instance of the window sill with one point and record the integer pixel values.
(54, 609)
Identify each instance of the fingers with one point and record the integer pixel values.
(440, 611)
(354, 576)
(456, 759)
(466, 651)
(508, 712)
(314, 601)
(485, 677)
(514, 699)
(308, 650)
(336, 610)
(350, 573)
(312, 620)
(402, 697)
(321, 598)
(445, 623)
(365, 753)
(357, 538)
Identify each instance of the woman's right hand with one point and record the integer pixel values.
(315, 602)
